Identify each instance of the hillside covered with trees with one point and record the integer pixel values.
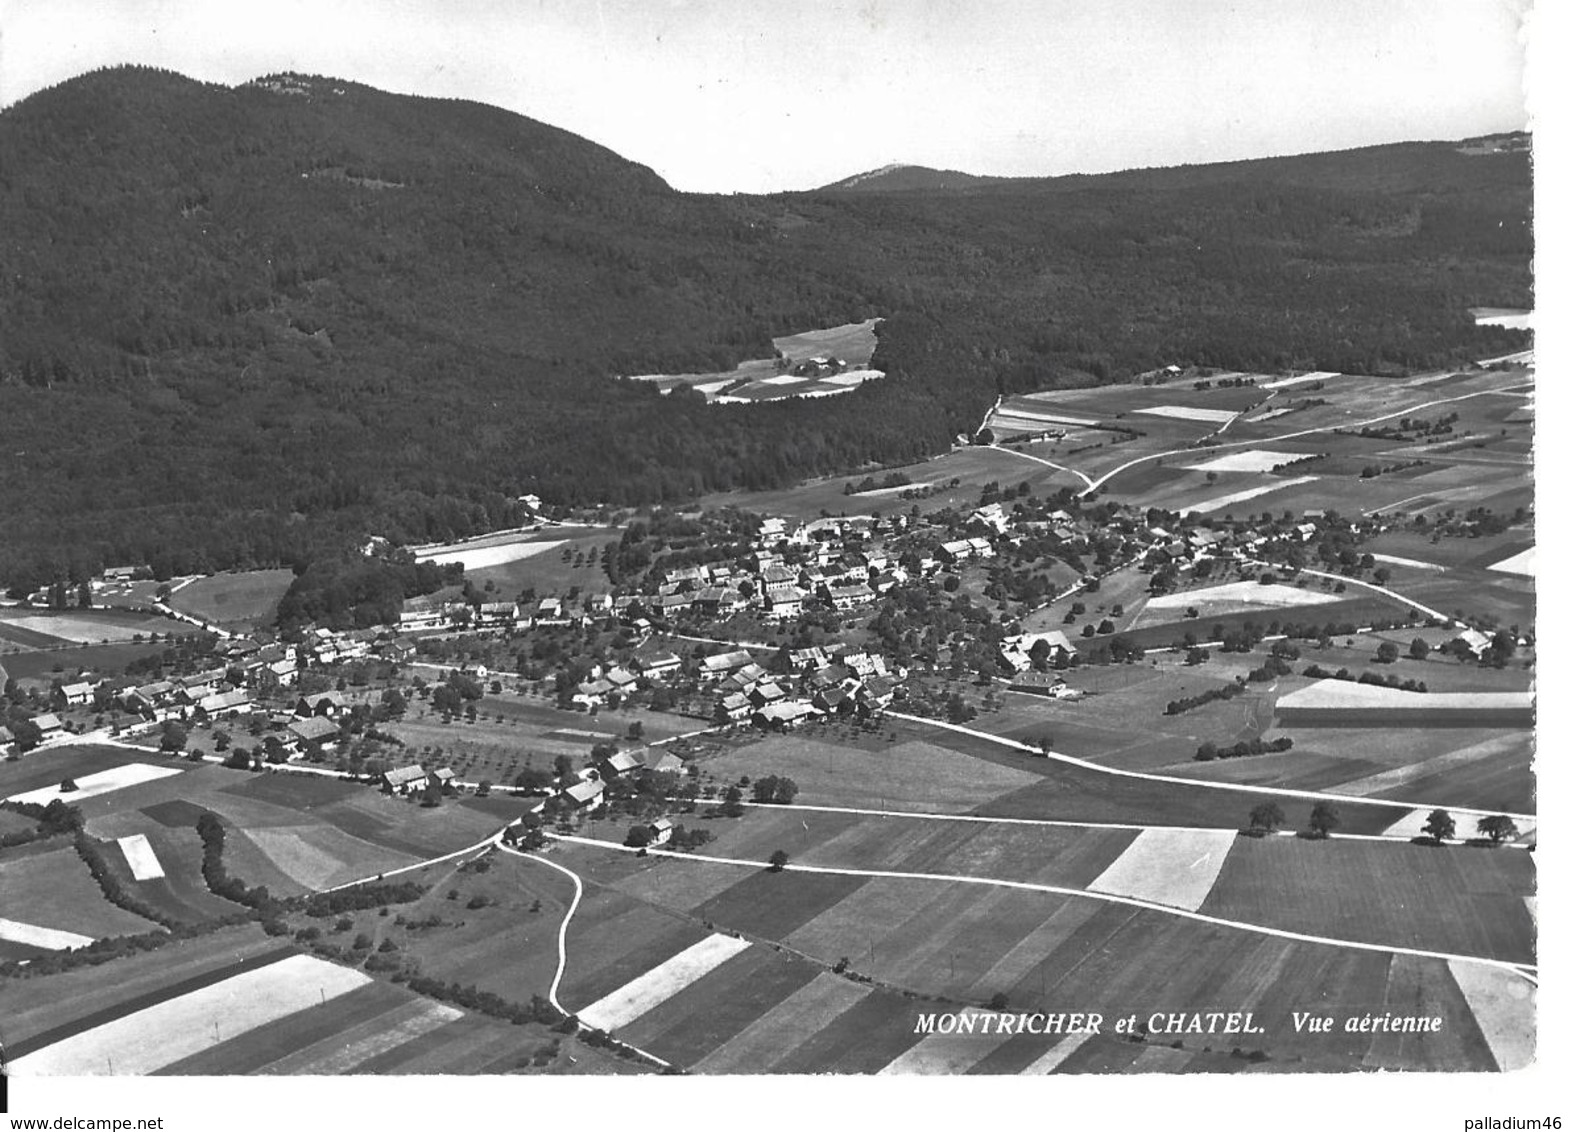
(249, 326)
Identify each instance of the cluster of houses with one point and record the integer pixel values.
(822, 682)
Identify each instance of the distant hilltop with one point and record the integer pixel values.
(908, 178)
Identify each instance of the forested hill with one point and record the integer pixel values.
(243, 326)
(907, 178)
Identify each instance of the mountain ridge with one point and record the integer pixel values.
(244, 326)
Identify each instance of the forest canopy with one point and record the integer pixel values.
(250, 326)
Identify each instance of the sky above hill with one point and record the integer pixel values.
(763, 95)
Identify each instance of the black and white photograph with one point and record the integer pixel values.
(799, 541)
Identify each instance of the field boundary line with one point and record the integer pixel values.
(1522, 970)
(1304, 432)
(479, 846)
(1086, 479)
(1425, 609)
(1175, 780)
(1066, 823)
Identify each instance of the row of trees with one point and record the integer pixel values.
(1439, 826)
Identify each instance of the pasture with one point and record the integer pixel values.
(1063, 953)
(908, 775)
(553, 565)
(42, 628)
(44, 664)
(762, 379)
(973, 466)
(247, 598)
(1468, 901)
(54, 890)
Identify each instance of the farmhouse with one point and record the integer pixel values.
(766, 692)
(621, 763)
(48, 724)
(77, 694)
(721, 664)
(1016, 652)
(225, 703)
(657, 665)
(660, 831)
(735, 706)
(279, 674)
(416, 620)
(549, 612)
(835, 701)
(586, 795)
(404, 780)
(1342, 703)
(784, 601)
(621, 679)
(148, 697)
(593, 693)
(992, 516)
(493, 614)
(783, 715)
(850, 597)
(803, 660)
(316, 730)
(661, 762)
(878, 692)
(442, 777)
(321, 703)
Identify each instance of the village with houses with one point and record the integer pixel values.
(1267, 655)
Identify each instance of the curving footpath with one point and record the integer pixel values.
(562, 929)
(562, 944)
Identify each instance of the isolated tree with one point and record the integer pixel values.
(638, 836)
(1267, 817)
(1386, 653)
(1324, 819)
(1439, 825)
(431, 796)
(1497, 827)
(174, 737)
(778, 860)
(67, 785)
(1418, 649)
(563, 765)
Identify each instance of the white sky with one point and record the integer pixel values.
(759, 95)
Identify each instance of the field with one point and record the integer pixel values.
(972, 466)
(554, 565)
(53, 890)
(908, 775)
(246, 599)
(235, 1002)
(966, 943)
(762, 380)
(45, 664)
(513, 732)
(292, 832)
(1483, 460)
(46, 629)
(1463, 900)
